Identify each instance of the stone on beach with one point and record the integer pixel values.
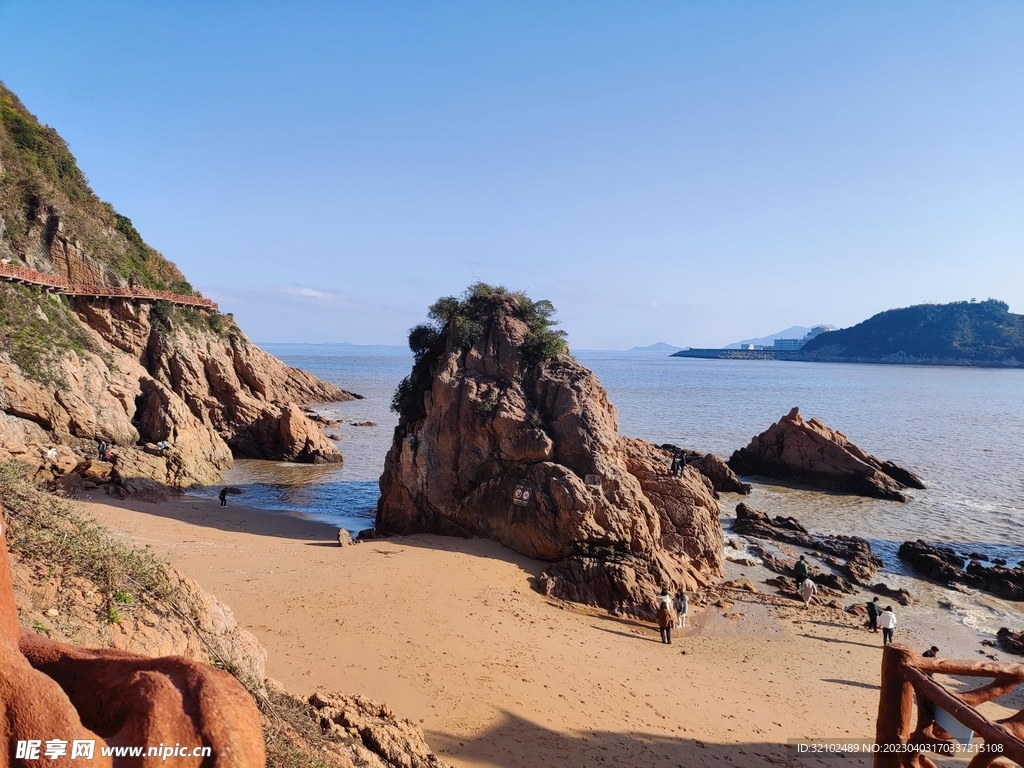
(810, 453)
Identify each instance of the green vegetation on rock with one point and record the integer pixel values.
(44, 527)
(463, 322)
(41, 184)
(982, 332)
(37, 330)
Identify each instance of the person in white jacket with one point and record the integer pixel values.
(808, 589)
(887, 621)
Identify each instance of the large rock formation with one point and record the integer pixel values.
(810, 453)
(496, 440)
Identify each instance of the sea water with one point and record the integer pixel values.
(960, 429)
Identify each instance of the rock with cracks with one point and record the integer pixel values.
(527, 453)
(809, 453)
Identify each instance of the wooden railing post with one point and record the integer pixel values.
(895, 705)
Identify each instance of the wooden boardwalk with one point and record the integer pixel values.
(57, 284)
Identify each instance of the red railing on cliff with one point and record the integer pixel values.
(906, 675)
(58, 284)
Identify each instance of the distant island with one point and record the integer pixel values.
(980, 333)
(659, 347)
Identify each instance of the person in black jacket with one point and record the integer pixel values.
(873, 611)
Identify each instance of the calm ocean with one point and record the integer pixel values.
(960, 429)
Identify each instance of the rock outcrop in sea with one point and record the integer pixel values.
(504, 435)
(810, 453)
(946, 566)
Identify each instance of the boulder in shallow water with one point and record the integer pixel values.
(809, 453)
(851, 555)
(1012, 642)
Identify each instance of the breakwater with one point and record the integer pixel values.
(738, 354)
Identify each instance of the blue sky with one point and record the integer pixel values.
(694, 173)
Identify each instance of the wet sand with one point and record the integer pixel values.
(451, 635)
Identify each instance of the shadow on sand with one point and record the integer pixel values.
(517, 743)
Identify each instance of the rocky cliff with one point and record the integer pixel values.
(811, 453)
(77, 370)
(502, 434)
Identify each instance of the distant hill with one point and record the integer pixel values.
(964, 332)
(795, 332)
(660, 348)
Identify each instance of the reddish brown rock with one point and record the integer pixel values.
(51, 690)
(132, 700)
(32, 705)
(492, 423)
(810, 453)
(714, 468)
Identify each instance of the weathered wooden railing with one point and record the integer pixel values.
(905, 673)
(60, 285)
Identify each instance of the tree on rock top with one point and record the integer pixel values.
(460, 323)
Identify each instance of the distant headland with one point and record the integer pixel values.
(975, 333)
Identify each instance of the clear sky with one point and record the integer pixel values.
(694, 173)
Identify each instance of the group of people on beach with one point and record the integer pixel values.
(878, 617)
(884, 619)
(671, 611)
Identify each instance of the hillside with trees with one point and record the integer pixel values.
(960, 333)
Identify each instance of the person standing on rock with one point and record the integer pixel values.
(682, 606)
(102, 450)
(873, 611)
(800, 570)
(887, 621)
(224, 496)
(664, 614)
(808, 589)
(678, 464)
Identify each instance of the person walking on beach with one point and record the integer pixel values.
(664, 615)
(682, 606)
(887, 621)
(873, 611)
(800, 570)
(808, 589)
(223, 497)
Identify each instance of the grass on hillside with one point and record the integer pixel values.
(45, 527)
(42, 177)
(37, 330)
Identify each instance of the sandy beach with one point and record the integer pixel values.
(451, 635)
